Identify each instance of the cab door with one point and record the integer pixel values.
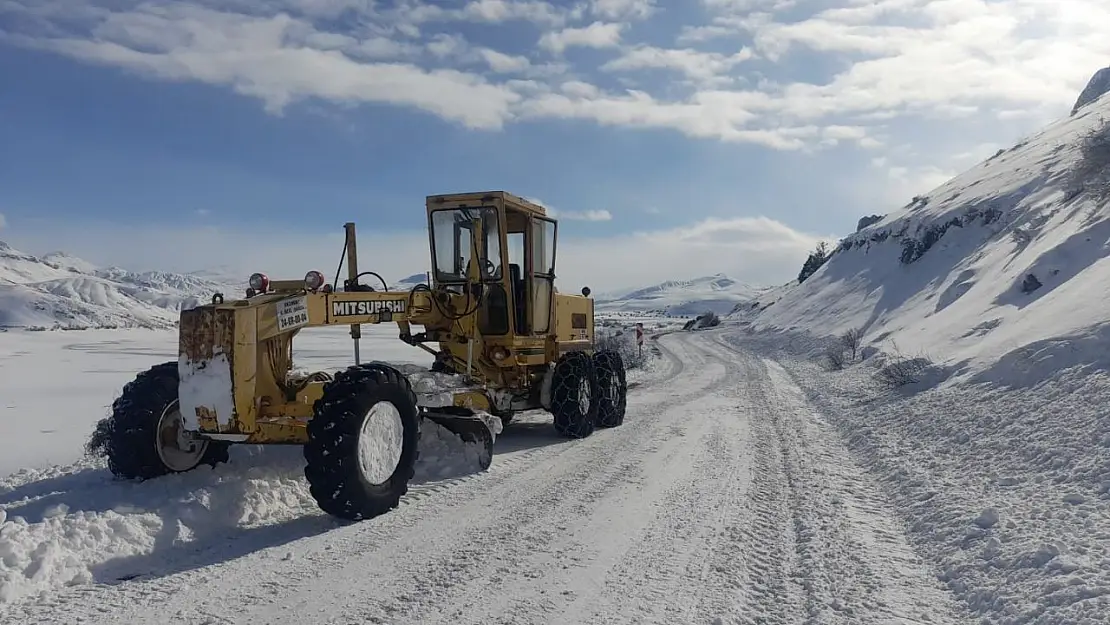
(530, 255)
(541, 273)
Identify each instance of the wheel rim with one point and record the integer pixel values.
(380, 442)
(584, 396)
(613, 390)
(177, 453)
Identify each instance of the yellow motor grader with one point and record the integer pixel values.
(491, 317)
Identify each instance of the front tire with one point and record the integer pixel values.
(613, 385)
(362, 445)
(143, 437)
(574, 393)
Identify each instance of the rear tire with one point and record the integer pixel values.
(613, 385)
(362, 445)
(140, 439)
(574, 395)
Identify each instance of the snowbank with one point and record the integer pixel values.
(73, 525)
(1005, 490)
(77, 525)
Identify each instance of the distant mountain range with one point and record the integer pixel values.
(717, 293)
(60, 290)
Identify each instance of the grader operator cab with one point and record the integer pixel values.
(504, 341)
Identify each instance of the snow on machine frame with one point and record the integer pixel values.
(508, 336)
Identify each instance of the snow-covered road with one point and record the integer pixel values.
(724, 498)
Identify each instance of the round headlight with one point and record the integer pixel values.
(313, 280)
(259, 282)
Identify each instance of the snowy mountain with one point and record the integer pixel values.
(405, 284)
(718, 293)
(1005, 264)
(61, 290)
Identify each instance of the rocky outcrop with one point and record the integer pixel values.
(867, 221)
(1098, 85)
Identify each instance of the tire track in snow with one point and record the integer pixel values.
(660, 573)
(653, 535)
(496, 548)
(758, 548)
(657, 568)
(839, 521)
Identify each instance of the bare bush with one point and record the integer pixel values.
(902, 370)
(851, 341)
(1091, 173)
(835, 358)
(624, 343)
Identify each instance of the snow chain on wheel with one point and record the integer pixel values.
(362, 445)
(142, 437)
(613, 386)
(574, 395)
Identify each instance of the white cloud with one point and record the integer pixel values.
(587, 215)
(756, 249)
(592, 215)
(748, 6)
(721, 115)
(504, 63)
(410, 15)
(505, 10)
(461, 52)
(623, 9)
(251, 56)
(947, 55)
(444, 45)
(904, 181)
(702, 67)
(934, 60)
(596, 35)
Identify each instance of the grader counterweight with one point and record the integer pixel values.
(504, 339)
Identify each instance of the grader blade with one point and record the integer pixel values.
(475, 433)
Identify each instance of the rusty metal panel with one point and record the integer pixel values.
(205, 336)
(206, 331)
(242, 337)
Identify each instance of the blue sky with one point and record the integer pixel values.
(672, 139)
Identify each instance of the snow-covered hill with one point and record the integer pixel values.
(718, 293)
(1004, 263)
(977, 393)
(405, 284)
(59, 290)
